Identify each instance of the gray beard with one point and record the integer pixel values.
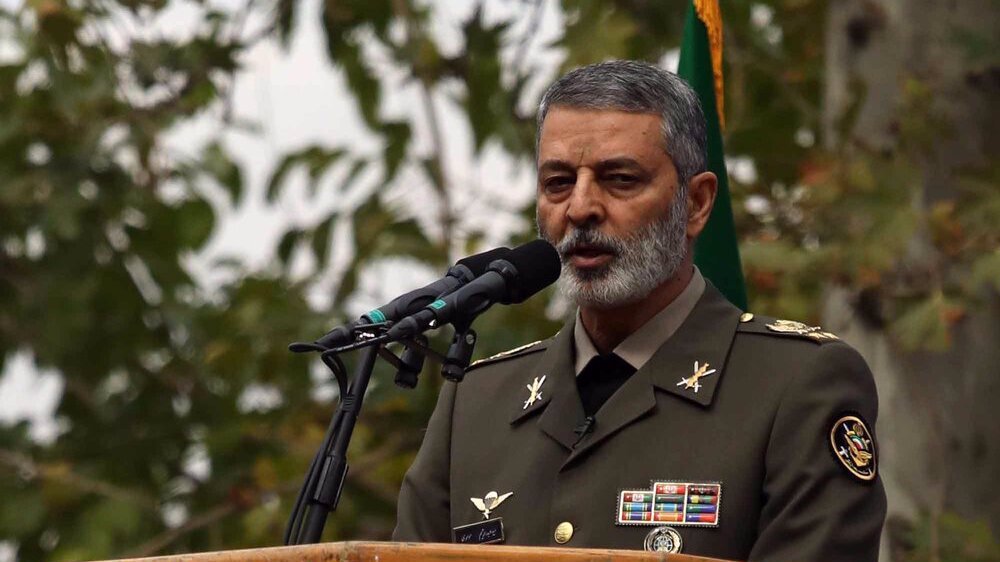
(640, 263)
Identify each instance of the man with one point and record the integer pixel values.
(660, 416)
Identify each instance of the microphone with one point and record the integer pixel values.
(411, 362)
(583, 429)
(509, 280)
(464, 271)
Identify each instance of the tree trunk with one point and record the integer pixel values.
(939, 441)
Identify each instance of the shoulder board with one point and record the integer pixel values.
(765, 325)
(510, 354)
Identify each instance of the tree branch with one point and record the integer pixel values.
(440, 181)
(64, 475)
(164, 539)
(535, 20)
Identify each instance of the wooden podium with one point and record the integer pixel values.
(422, 552)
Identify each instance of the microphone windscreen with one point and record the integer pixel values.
(478, 263)
(538, 266)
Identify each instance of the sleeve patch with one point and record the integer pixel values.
(854, 447)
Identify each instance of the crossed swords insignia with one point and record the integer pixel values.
(535, 388)
(700, 371)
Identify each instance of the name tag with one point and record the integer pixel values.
(483, 532)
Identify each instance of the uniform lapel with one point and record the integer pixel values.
(705, 336)
(630, 402)
(560, 402)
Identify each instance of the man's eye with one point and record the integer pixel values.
(558, 183)
(622, 179)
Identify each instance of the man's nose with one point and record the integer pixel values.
(586, 203)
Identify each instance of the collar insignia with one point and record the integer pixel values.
(535, 390)
(699, 372)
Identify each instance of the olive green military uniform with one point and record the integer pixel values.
(770, 427)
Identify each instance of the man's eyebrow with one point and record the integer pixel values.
(619, 162)
(554, 165)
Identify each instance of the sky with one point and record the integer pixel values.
(296, 97)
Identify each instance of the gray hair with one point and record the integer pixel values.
(638, 87)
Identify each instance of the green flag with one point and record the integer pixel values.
(716, 252)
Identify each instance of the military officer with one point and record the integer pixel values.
(660, 416)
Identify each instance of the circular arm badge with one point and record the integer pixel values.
(854, 447)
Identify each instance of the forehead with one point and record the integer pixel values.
(579, 134)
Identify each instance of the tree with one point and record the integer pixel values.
(909, 113)
(187, 426)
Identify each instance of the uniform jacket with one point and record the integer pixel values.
(760, 426)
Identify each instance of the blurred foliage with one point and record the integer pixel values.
(185, 423)
(857, 215)
(950, 538)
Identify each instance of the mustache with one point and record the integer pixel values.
(588, 238)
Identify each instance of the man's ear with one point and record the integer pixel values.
(700, 199)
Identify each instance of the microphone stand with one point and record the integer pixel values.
(327, 473)
(460, 351)
(325, 479)
(333, 464)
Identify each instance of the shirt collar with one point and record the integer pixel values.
(640, 346)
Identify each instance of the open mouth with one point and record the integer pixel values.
(586, 256)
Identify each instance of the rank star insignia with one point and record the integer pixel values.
(535, 391)
(853, 446)
(490, 502)
(693, 381)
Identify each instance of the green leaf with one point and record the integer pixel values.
(277, 179)
(221, 167)
(196, 223)
(985, 272)
(958, 539)
(57, 22)
(485, 100)
(22, 510)
(287, 244)
(397, 138)
(285, 17)
(923, 325)
(321, 237)
(595, 31)
(352, 174)
(340, 25)
(316, 159)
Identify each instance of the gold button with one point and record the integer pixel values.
(746, 317)
(564, 532)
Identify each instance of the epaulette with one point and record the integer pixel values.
(750, 323)
(510, 354)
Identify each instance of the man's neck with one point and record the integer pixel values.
(608, 327)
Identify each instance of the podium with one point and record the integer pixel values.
(422, 552)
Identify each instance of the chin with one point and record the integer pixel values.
(587, 293)
(587, 276)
